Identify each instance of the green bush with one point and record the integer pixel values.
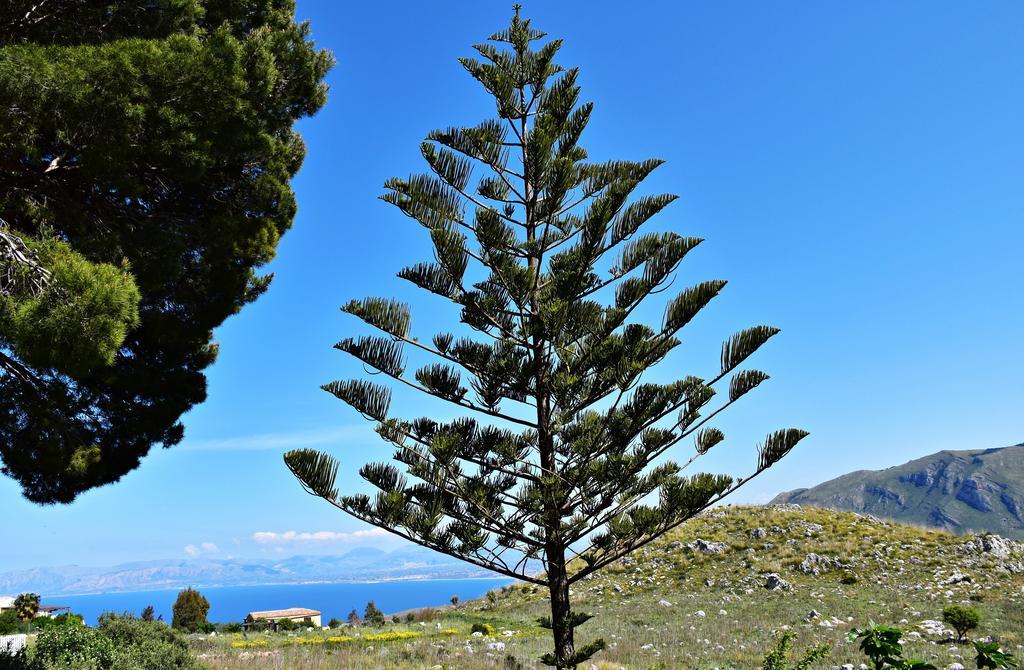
(147, 645)
(74, 648)
(44, 623)
(10, 623)
(778, 657)
(485, 628)
(961, 618)
(373, 616)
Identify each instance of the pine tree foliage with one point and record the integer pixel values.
(557, 460)
(146, 149)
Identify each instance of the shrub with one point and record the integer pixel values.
(373, 616)
(232, 627)
(147, 645)
(288, 625)
(43, 623)
(778, 657)
(74, 648)
(190, 610)
(485, 628)
(963, 619)
(9, 623)
(848, 578)
(335, 623)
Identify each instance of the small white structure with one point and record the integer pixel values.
(270, 618)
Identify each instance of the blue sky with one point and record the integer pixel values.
(855, 167)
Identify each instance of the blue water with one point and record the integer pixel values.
(232, 603)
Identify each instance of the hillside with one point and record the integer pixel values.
(713, 594)
(959, 491)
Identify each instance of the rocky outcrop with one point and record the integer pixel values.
(814, 564)
(973, 491)
(706, 547)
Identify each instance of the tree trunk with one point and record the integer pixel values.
(558, 585)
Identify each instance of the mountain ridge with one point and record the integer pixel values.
(956, 490)
(356, 565)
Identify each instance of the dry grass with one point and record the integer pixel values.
(899, 572)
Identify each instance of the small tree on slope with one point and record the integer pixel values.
(572, 470)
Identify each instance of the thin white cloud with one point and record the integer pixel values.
(194, 551)
(293, 440)
(292, 536)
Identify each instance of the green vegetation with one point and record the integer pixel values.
(778, 657)
(119, 643)
(680, 603)
(147, 645)
(962, 618)
(991, 655)
(560, 270)
(146, 150)
(881, 644)
(373, 616)
(73, 647)
(190, 609)
(26, 606)
(9, 622)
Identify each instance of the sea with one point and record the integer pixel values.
(334, 601)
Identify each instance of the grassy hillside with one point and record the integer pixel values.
(960, 491)
(698, 599)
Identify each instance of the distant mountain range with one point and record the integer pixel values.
(363, 564)
(960, 491)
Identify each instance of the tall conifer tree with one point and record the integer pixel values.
(569, 475)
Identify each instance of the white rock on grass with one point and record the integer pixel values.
(664, 603)
(706, 547)
(496, 646)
